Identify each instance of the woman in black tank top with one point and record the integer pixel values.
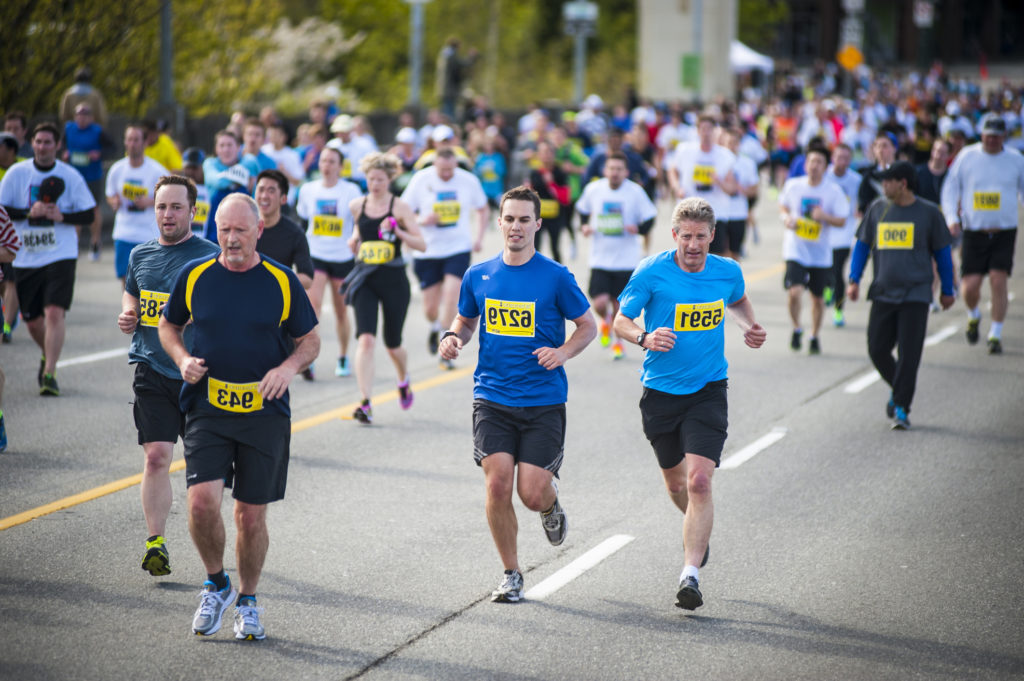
(384, 224)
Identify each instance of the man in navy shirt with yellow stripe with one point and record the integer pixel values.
(683, 294)
(253, 330)
(520, 387)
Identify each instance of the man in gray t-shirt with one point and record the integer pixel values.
(903, 234)
(153, 267)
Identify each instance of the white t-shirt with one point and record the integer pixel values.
(354, 150)
(610, 210)
(810, 244)
(131, 224)
(455, 203)
(289, 161)
(671, 136)
(696, 168)
(745, 171)
(842, 237)
(44, 243)
(330, 222)
(986, 186)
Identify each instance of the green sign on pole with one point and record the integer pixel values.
(691, 71)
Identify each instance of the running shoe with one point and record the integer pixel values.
(432, 342)
(247, 622)
(838, 317)
(42, 368)
(447, 364)
(212, 604)
(49, 387)
(995, 346)
(794, 342)
(308, 374)
(556, 525)
(510, 590)
(342, 369)
(900, 420)
(617, 352)
(405, 396)
(814, 347)
(972, 330)
(606, 334)
(363, 414)
(156, 561)
(94, 253)
(828, 295)
(3, 434)
(688, 597)
(7, 333)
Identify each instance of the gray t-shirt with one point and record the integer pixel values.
(152, 271)
(902, 240)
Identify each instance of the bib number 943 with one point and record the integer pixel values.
(240, 398)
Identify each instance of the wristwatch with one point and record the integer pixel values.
(641, 338)
(447, 333)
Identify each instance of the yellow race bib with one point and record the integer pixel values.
(447, 213)
(133, 192)
(510, 317)
(549, 208)
(151, 304)
(703, 176)
(240, 398)
(895, 235)
(376, 252)
(328, 225)
(987, 200)
(202, 211)
(808, 229)
(699, 316)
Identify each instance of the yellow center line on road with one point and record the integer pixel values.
(765, 273)
(343, 412)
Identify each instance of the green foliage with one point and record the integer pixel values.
(760, 21)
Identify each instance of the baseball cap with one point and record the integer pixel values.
(993, 125)
(442, 133)
(900, 170)
(406, 136)
(193, 156)
(342, 123)
(9, 140)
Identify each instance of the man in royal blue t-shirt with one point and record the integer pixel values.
(520, 387)
(683, 294)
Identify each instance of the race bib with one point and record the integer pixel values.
(133, 192)
(202, 212)
(39, 240)
(549, 208)
(446, 209)
(80, 158)
(699, 316)
(987, 200)
(808, 229)
(489, 175)
(510, 317)
(376, 252)
(703, 176)
(240, 398)
(151, 304)
(346, 168)
(610, 224)
(895, 235)
(328, 225)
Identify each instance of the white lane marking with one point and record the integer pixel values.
(858, 384)
(755, 448)
(95, 357)
(578, 567)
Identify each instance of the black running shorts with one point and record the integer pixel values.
(334, 270)
(611, 282)
(814, 279)
(158, 416)
(984, 251)
(677, 425)
(52, 284)
(534, 435)
(248, 452)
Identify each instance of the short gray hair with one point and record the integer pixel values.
(235, 197)
(693, 209)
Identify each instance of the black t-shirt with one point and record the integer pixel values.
(286, 243)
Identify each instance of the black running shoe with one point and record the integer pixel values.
(688, 597)
(156, 561)
(42, 368)
(814, 347)
(48, 387)
(432, 342)
(794, 342)
(972, 330)
(995, 346)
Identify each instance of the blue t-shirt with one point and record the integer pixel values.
(244, 323)
(79, 143)
(693, 306)
(219, 185)
(524, 307)
(490, 168)
(152, 270)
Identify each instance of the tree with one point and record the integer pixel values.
(760, 21)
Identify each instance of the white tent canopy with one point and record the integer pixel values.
(742, 59)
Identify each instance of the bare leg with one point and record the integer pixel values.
(156, 485)
(1000, 298)
(341, 316)
(795, 293)
(251, 544)
(205, 524)
(364, 364)
(700, 511)
(499, 476)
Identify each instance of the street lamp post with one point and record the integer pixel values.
(415, 50)
(581, 22)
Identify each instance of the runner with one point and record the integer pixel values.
(379, 279)
(446, 200)
(612, 210)
(902, 234)
(323, 204)
(48, 201)
(810, 204)
(985, 182)
(237, 417)
(85, 143)
(151, 270)
(738, 205)
(841, 239)
(226, 173)
(282, 239)
(131, 190)
(520, 387)
(552, 186)
(682, 294)
(10, 243)
(192, 168)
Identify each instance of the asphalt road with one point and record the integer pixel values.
(842, 550)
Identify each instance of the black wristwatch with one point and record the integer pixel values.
(447, 333)
(641, 338)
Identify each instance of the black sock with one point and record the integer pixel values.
(153, 538)
(220, 581)
(246, 597)
(366, 403)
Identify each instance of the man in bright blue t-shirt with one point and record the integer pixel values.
(683, 295)
(520, 387)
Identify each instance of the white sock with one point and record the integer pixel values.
(996, 331)
(436, 326)
(974, 314)
(689, 571)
